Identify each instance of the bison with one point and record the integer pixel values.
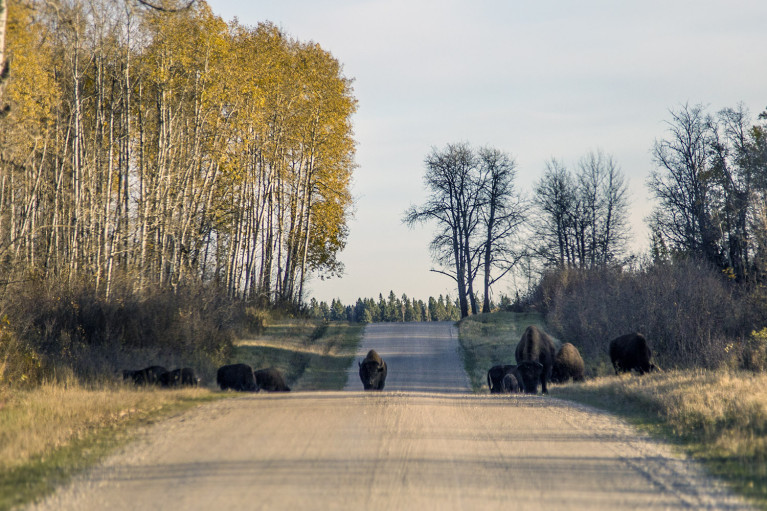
(183, 377)
(567, 364)
(536, 346)
(510, 383)
(373, 371)
(496, 376)
(270, 379)
(238, 377)
(528, 374)
(629, 352)
(147, 376)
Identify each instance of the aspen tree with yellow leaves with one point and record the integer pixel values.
(157, 147)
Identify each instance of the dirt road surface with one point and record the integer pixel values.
(424, 443)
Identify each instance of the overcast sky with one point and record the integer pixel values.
(536, 79)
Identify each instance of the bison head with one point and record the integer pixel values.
(372, 375)
(530, 371)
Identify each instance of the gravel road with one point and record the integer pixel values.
(424, 443)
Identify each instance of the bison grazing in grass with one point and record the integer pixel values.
(183, 377)
(270, 379)
(236, 377)
(568, 364)
(147, 376)
(629, 352)
(373, 371)
(536, 346)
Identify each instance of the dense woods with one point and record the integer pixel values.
(170, 147)
(161, 172)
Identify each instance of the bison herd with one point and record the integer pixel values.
(539, 360)
(158, 375)
(240, 377)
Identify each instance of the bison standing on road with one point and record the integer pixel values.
(270, 379)
(629, 352)
(510, 383)
(236, 377)
(568, 364)
(536, 346)
(373, 371)
(497, 379)
(495, 376)
(147, 376)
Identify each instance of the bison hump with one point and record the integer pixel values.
(372, 356)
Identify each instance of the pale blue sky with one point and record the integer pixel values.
(537, 79)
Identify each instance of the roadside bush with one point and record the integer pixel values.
(691, 314)
(73, 327)
(20, 365)
(754, 354)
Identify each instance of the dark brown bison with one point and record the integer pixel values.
(270, 379)
(499, 384)
(629, 352)
(236, 377)
(510, 383)
(183, 377)
(528, 374)
(147, 376)
(568, 364)
(373, 371)
(536, 346)
(495, 376)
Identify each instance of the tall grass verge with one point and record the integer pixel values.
(50, 432)
(717, 417)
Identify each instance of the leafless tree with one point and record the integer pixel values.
(583, 217)
(502, 213)
(478, 212)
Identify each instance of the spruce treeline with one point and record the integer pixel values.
(392, 309)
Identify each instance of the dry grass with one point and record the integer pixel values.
(719, 417)
(36, 421)
(50, 432)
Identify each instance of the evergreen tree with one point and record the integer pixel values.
(408, 314)
(325, 310)
(393, 308)
(383, 313)
(433, 314)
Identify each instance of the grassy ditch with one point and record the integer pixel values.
(50, 432)
(716, 417)
(312, 355)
